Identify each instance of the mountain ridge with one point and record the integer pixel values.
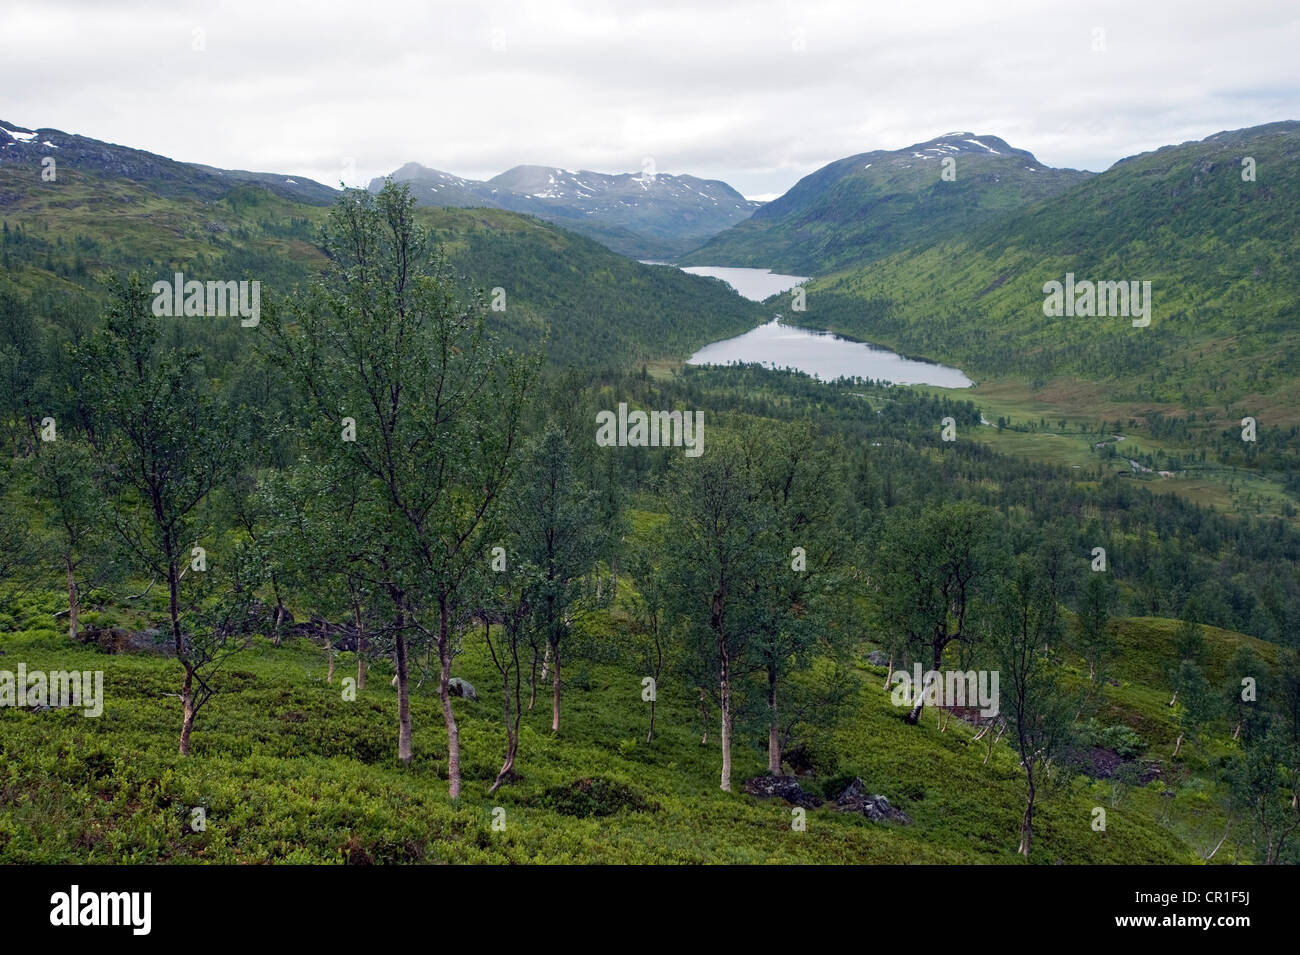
(168, 177)
(642, 215)
(1215, 235)
(872, 204)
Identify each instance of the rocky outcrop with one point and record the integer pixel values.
(463, 688)
(781, 787)
(121, 640)
(855, 798)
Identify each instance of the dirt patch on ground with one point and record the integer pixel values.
(1101, 763)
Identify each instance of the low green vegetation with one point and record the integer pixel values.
(289, 552)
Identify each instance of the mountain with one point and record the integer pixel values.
(868, 206)
(165, 177)
(448, 190)
(112, 208)
(1218, 247)
(643, 216)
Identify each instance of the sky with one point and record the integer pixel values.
(756, 94)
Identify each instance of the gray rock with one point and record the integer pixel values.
(458, 687)
(783, 787)
(121, 640)
(855, 798)
(878, 658)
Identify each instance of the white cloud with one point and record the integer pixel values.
(757, 94)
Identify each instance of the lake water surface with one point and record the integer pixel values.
(755, 284)
(820, 354)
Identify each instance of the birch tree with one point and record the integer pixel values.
(409, 391)
(62, 478)
(162, 444)
(932, 576)
(1031, 699)
(721, 542)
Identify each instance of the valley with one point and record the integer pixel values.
(853, 512)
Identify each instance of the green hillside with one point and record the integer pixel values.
(584, 302)
(289, 772)
(365, 481)
(866, 207)
(1218, 251)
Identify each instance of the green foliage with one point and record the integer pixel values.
(863, 208)
(597, 797)
(964, 550)
(1123, 740)
(1215, 248)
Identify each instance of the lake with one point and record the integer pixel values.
(755, 284)
(820, 354)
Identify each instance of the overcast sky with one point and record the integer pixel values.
(757, 94)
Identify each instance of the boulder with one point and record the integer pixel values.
(782, 787)
(120, 640)
(458, 687)
(878, 658)
(855, 798)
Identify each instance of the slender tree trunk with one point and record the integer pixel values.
(659, 665)
(404, 748)
(532, 683)
(918, 704)
(509, 715)
(361, 647)
(73, 606)
(1237, 732)
(546, 661)
(444, 694)
(725, 688)
(555, 689)
(1226, 830)
(277, 621)
(512, 747)
(1027, 824)
(1179, 744)
(889, 670)
(329, 652)
(914, 717)
(773, 726)
(704, 711)
(188, 709)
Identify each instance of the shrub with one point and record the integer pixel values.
(1123, 740)
(593, 797)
